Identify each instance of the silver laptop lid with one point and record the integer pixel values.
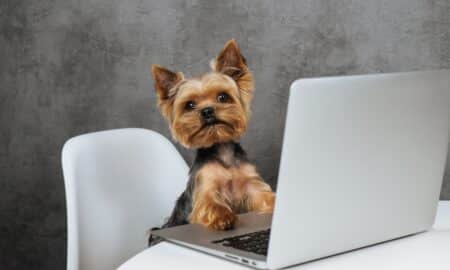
(362, 162)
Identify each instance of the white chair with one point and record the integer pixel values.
(119, 184)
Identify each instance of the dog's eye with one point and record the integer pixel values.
(190, 105)
(223, 97)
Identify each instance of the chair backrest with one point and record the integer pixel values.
(119, 184)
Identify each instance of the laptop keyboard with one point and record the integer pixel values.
(256, 242)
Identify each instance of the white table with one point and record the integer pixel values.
(429, 250)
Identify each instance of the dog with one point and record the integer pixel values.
(210, 113)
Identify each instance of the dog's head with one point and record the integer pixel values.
(211, 108)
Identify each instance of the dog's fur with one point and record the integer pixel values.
(210, 113)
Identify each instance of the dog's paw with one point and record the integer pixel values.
(265, 202)
(215, 216)
(221, 218)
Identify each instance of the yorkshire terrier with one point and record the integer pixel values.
(210, 113)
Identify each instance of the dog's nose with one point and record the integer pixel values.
(208, 114)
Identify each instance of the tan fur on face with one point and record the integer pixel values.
(187, 126)
(230, 75)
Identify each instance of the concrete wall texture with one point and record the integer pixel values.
(77, 66)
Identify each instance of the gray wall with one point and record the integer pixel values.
(76, 66)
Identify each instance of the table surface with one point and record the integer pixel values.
(429, 250)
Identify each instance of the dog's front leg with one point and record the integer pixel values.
(212, 199)
(260, 198)
(212, 212)
(256, 194)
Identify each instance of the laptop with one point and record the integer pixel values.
(362, 162)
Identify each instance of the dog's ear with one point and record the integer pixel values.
(165, 82)
(231, 62)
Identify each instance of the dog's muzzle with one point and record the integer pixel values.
(208, 115)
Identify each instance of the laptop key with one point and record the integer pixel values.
(256, 242)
